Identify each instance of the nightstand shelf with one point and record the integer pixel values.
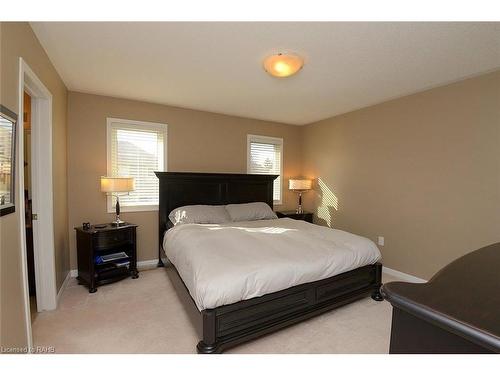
(306, 216)
(95, 243)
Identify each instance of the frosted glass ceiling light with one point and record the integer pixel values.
(283, 65)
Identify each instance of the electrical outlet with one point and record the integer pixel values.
(381, 241)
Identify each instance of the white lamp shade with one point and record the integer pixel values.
(299, 184)
(117, 184)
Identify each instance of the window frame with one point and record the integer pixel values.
(270, 140)
(132, 124)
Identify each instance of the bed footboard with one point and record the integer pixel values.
(229, 325)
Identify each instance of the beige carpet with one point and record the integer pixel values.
(145, 316)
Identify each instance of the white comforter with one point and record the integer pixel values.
(226, 263)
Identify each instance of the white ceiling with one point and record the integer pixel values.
(218, 66)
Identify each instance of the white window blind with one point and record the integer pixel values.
(265, 157)
(137, 149)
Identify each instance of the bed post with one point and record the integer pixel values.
(208, 345)
(378, 283)
(160, 261)
(162, 215)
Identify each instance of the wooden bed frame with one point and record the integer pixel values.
(229, 325)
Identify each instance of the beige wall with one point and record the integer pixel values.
(18, 40)
(423, 171)
(197, 142)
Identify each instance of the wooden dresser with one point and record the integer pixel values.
(457, 311)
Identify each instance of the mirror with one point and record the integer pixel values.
(8, 121)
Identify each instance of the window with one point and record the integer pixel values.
(264, 156)
(136, 149)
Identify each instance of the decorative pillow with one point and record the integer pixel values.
(250, 211)
(199, 214)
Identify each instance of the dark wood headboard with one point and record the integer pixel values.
(179, 189)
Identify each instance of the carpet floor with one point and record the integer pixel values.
(146, 316)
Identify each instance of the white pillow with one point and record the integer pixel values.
(199, 214)
(250, 211)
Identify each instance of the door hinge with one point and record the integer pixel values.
(34, 216)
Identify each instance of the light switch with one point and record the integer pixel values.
(381, 241)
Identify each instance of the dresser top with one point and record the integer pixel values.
(464, 296)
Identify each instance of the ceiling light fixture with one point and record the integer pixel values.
(283, 64)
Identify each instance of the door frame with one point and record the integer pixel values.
(42, 193)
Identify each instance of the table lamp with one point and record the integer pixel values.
(115, 186)
(299, 186)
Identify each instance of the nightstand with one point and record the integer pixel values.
(306, 216)
(106, 253)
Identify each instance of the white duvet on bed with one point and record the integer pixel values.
(226, 263)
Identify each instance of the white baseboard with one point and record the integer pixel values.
(63, 286)
(147, 264)
(403, 276)
(141, 266)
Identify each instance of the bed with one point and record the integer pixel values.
(283, 285)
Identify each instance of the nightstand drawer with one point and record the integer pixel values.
(113, 238)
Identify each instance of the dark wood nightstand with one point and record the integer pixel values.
(306, 216)
(98, 242)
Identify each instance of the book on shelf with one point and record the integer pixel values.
(107, 258)
(122, 263)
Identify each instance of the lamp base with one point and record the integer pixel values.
(118, 223)
(299, 207)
